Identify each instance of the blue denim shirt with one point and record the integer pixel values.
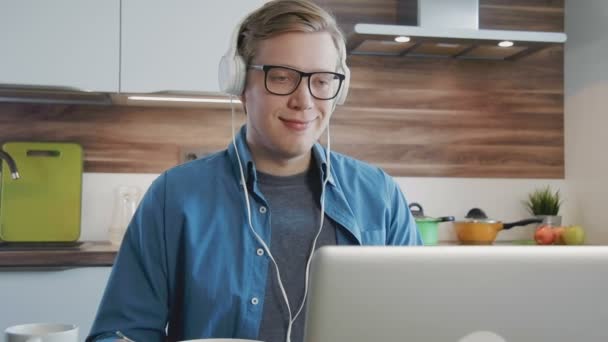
(189, 261)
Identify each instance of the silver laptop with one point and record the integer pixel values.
(458, 294)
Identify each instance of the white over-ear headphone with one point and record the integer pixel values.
(233, 70)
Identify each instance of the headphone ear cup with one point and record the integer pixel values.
(240, 75)
(232, 74)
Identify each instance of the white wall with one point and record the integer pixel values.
(500, 198)
(586, 111)
(99, 199)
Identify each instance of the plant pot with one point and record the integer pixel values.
(552, 220)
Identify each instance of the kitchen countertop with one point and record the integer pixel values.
(81, 254)
(98, 253)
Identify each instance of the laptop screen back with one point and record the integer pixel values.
(457, 293)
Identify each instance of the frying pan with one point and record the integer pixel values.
(477, 229)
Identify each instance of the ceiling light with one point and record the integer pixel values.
(505, 43)
(447, 45)
(402, 39)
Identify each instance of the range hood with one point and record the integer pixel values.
(448, 28)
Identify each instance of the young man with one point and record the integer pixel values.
(201, 255)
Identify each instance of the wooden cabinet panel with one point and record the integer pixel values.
(411, 116)
(533, 15)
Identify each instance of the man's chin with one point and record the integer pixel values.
(295, 151)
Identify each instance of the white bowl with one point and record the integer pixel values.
(221, 340)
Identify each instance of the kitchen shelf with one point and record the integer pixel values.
(83, 254)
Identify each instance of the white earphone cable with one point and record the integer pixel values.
(327, 157)
(261, 241)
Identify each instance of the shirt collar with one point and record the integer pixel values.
(244, 154)
(318, 152)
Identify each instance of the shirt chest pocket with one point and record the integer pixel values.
(373, 237)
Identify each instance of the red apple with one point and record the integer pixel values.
(544, 235)
(559, 238)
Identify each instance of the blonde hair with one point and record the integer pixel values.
(281, 16)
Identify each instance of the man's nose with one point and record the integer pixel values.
(301, 97)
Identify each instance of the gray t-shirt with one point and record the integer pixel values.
(295, 209)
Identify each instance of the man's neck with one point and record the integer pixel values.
(266, 163)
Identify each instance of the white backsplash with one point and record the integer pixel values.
(501, 199)
(99, 197)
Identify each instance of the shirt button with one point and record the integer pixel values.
(255, 300)
(260, 251)
(263, 210)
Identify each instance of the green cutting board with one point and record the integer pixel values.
(44, 204)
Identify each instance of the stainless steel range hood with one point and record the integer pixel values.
(448, 28)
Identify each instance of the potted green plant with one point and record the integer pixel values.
(545, 203)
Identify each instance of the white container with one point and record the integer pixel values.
(42, 332)
(125, 204)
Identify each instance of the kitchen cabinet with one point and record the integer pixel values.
(60, 43)
(176, 45)
(52, 295)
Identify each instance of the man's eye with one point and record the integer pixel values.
(281, 77)
(323, 81)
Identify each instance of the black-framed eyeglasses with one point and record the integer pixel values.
(280, 80)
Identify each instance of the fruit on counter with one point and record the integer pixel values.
(574, 235)
(544, 235)
(559, 232)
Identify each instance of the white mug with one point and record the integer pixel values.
(42, 332)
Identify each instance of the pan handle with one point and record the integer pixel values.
(445, 219)
(521, 223)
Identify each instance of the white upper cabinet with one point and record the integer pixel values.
(60, 43)
(170, 45)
